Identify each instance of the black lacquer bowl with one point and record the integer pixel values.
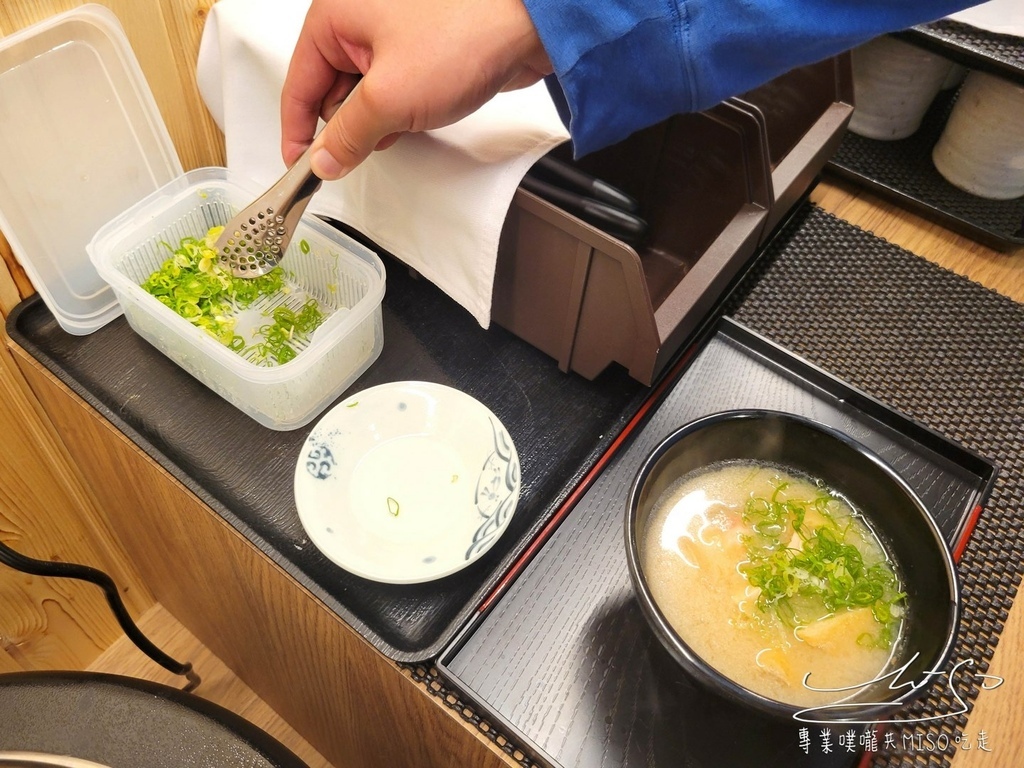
(892, 509)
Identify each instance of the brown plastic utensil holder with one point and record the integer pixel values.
(804, 115)
(712, 187)
(703, 181)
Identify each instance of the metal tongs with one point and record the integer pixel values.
(255, 240)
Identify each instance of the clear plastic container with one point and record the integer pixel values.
(82, 140)
(346, 279)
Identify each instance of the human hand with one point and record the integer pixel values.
(374, 69)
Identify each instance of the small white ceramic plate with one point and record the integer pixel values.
(407, 482)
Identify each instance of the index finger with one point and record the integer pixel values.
(311, 76)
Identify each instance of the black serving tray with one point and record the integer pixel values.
(560, 425)
(975, 48)
(902, 171)
(563, 661)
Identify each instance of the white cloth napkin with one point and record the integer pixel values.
(1004, 17)
(436, 200)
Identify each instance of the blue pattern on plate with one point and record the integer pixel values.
(320, 462)
(496, 490)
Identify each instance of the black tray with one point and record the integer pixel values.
(560, 425)
(564, 661)
(975, 48)
(902, 170)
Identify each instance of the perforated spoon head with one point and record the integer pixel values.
(253, 245)
(255, 241)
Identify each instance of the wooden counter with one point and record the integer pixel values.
(356, 707)
(59, 624)
(333, 687)
(351, 703)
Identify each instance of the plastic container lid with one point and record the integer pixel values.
(81, 140)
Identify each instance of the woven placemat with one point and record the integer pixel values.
(940, 349)
(937, 347)
(999, 54)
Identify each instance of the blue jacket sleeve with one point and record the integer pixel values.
(621, 65)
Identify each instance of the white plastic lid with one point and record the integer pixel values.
(81, 140)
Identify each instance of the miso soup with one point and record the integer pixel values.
(773, 580)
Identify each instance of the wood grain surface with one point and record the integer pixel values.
(45, 509)
(48, 512)
(73, 488)
(351, 703)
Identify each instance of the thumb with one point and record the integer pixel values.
(352, 133)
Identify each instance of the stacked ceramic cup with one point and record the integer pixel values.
(981, 149)
(894, 84)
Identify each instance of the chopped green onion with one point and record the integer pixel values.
(289, 327)
(192, 282)
(804, 572)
